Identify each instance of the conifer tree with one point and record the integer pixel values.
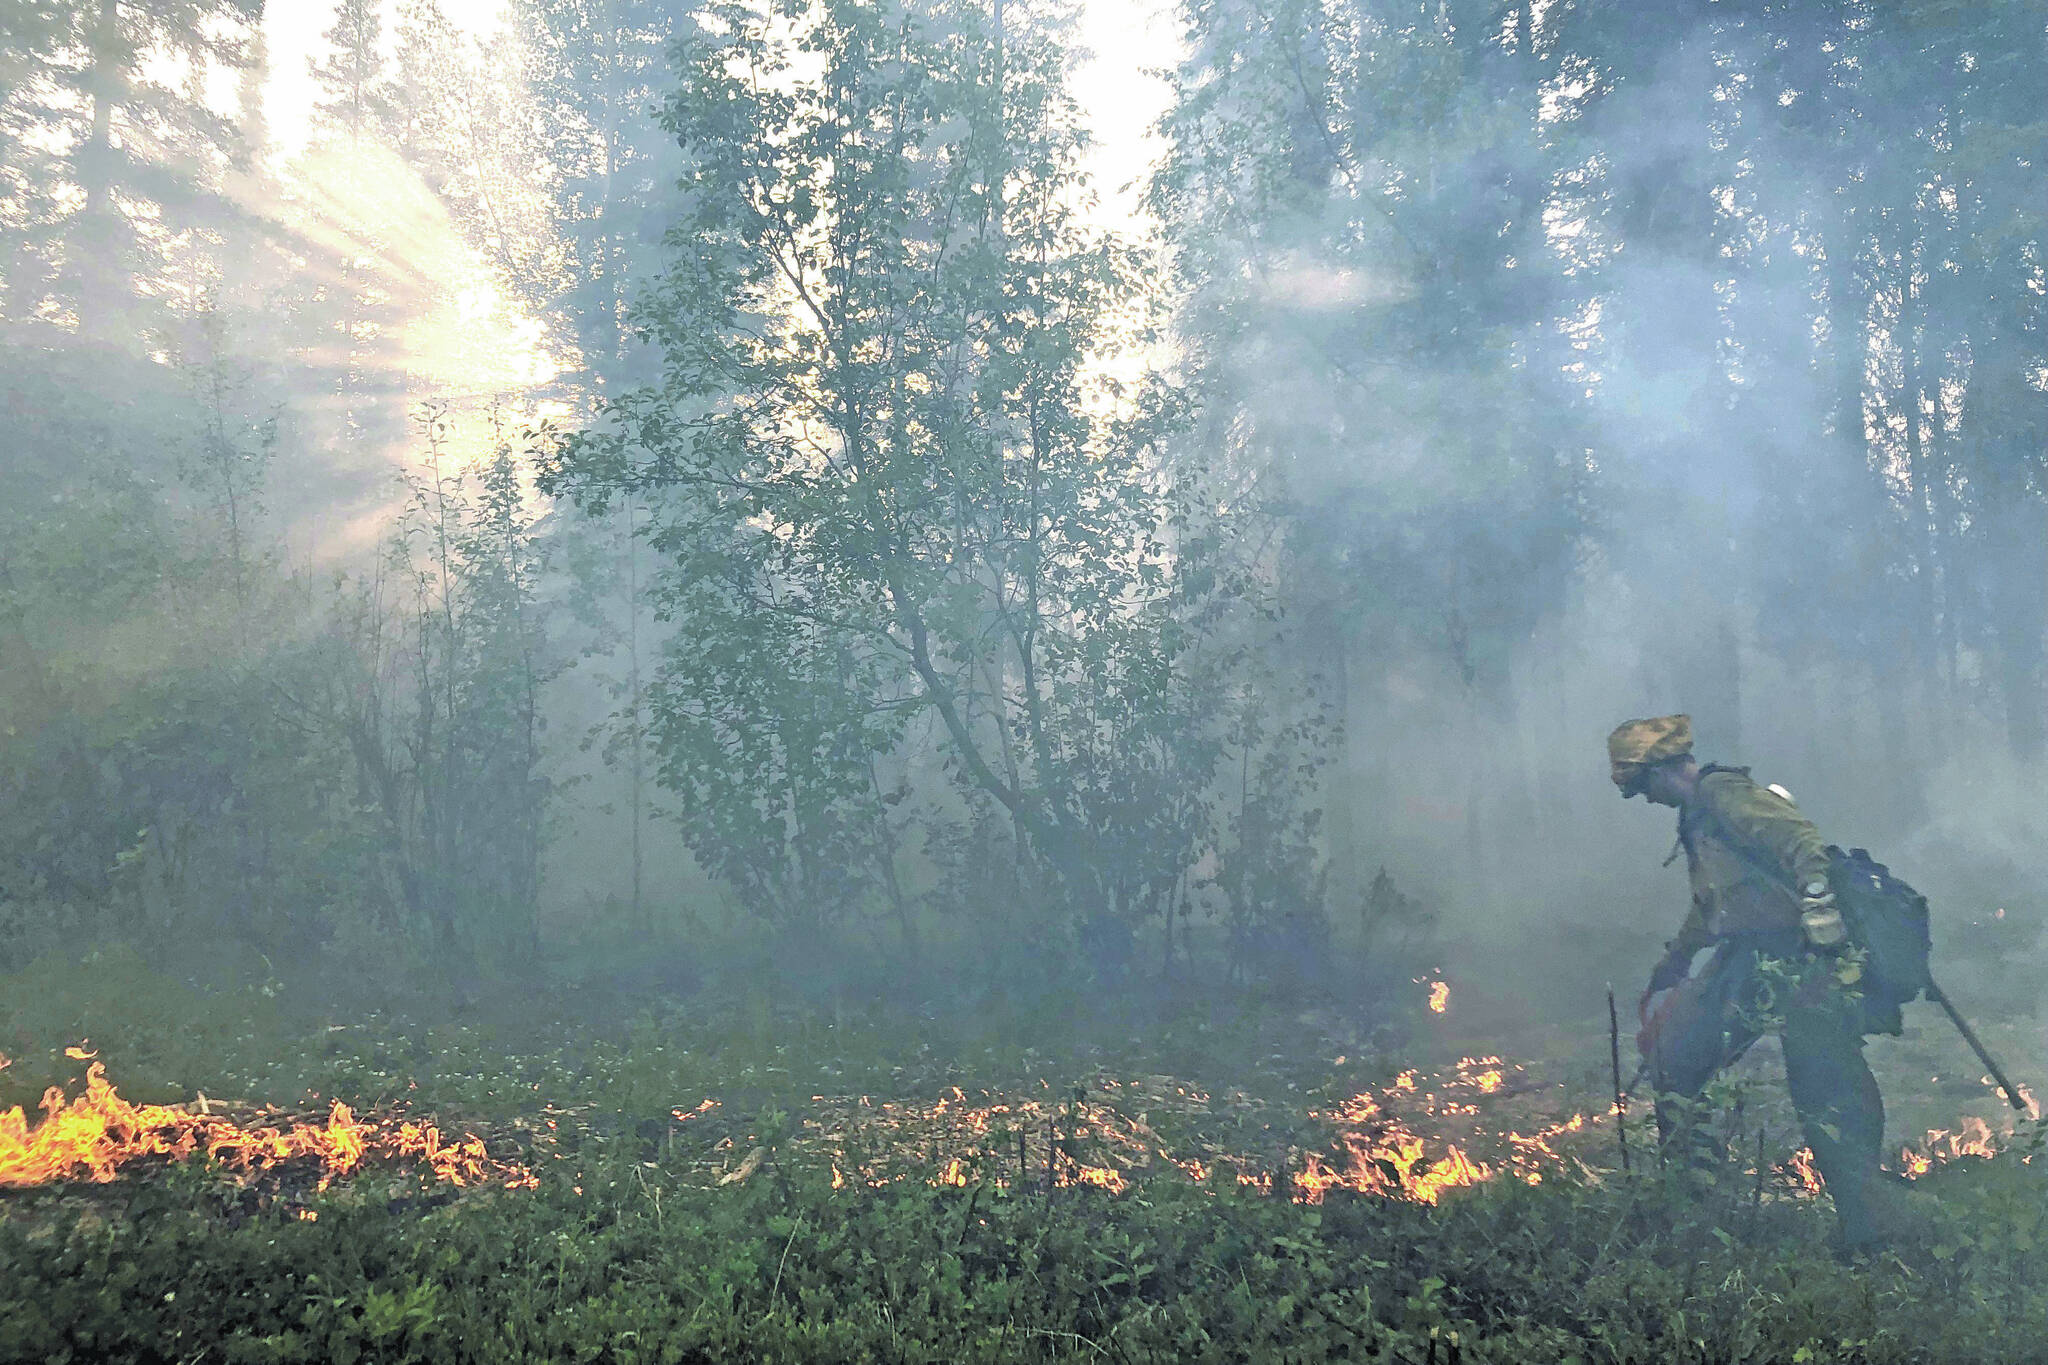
(354, 101)
(112, 155)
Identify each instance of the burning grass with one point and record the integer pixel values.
(1139, 1213)
(1972, 1137)
(97, 1135)
(1415, 1138)
(629, 1263)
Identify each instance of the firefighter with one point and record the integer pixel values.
(1781, 962)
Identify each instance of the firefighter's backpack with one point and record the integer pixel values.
(1888, 920)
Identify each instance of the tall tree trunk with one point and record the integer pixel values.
(98, 261)
(1920, 474)
(1999, 447)
(636, 759)
(1341, 835)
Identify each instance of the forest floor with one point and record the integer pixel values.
(747, 1175)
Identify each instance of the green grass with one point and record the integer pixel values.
(615, 1263)
(754, 1044)
(624, 1254)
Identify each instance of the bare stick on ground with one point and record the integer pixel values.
(1620, 1095)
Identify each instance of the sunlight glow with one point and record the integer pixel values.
(447, 327)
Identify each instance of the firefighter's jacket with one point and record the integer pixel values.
(1747, 852)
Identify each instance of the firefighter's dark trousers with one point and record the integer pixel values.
(1733, 1002)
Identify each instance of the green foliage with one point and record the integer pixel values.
(922, 591)
(612, 1262)
(118, 164)
(962, 635)
(466, 668)
(624, 1253)
(148, 765)
(201, 747)
(594, 71)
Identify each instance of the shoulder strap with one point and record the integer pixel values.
(1736, 843)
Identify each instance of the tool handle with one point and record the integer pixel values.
(1955, 1016)
(1620, 1095)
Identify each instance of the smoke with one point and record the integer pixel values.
(1734, 560)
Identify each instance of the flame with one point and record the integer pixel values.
(2025, 1093)
(1396, 1166)
(1972, 1137)
(1386, 1155)
(1413, 1138)
(93, 1136)
(1804, 1174)
(1439, 996)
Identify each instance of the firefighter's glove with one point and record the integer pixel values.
(1820, 923)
